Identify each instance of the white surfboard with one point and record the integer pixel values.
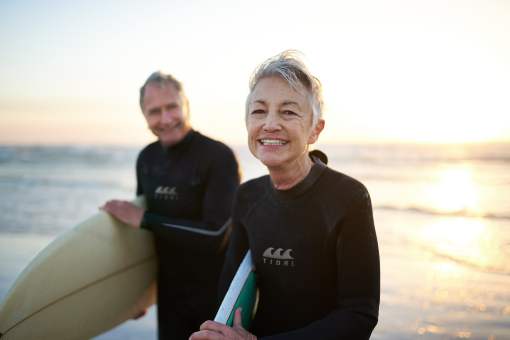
(243, 293)
(89, 280)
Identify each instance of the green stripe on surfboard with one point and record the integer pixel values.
(241, 293)
(246, 301)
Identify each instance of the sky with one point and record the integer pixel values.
(435, 71)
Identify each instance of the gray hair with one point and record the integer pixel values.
(288, 66)
(161, 79)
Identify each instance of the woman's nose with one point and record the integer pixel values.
(272, 122)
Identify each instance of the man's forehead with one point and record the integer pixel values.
(156, 96)
(160, 85)
(156, 91)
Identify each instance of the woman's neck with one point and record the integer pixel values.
(284, 178)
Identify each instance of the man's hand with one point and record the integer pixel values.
(211, 330)
(141, 314)
(125, 212)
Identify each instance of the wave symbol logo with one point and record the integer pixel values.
(278, 257)
(166, 193)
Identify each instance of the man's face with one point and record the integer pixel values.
(166, 113)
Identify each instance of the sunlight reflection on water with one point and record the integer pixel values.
(454, 190)
(448, 268)
(466, 240)
(463, 240)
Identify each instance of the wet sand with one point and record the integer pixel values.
(424, 295)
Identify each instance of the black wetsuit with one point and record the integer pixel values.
(189, 189)
(316, 256)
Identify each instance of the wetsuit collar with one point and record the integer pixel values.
(315, 172)
(182, 144)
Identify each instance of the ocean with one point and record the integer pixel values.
(441, 213)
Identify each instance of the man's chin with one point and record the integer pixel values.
(171, 139)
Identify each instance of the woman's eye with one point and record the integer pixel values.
(289, 113)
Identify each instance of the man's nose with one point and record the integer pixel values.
(166, 116)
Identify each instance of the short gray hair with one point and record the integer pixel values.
(162, 79)
(289, 66)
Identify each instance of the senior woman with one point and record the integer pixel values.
(310, 228)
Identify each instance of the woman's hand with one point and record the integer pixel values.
(211, 330)
(125, 212)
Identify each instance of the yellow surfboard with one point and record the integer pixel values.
(87, 281)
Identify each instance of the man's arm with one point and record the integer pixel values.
(126, 211)
(237, 248)
(222, 182)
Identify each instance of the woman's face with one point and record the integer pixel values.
(279, 123)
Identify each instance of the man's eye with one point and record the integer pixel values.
(154, 112)
(257, 112)
(171, 107)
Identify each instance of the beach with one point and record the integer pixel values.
(441, 216)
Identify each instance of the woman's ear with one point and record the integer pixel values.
(317, 129)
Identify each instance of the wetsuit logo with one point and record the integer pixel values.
(278, 257)
(166, 193)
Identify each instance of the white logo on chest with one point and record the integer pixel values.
(166, 193)
(278, 257)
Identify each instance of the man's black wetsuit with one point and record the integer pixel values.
(189, 188)
(315, 251)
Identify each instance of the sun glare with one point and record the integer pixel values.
(460, 239)
(455, 191)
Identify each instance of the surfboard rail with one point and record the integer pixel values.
(85, 282)
(242, 293)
